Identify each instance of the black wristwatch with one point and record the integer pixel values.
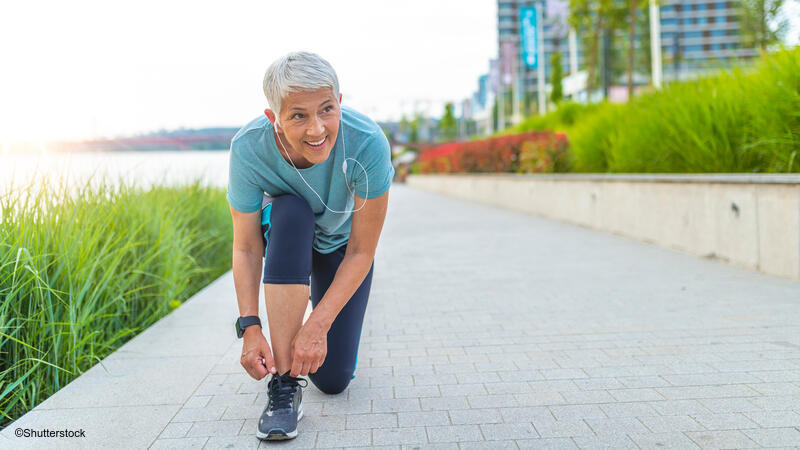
(244, 322)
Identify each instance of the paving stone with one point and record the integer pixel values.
(729, 405)
(576, 412)
(635, 395)
(721, 439)
(725, 421)
(416, 391)
(633, 409)
(546, 443)
(404, 435)
(561, 428)
(345, 438)
(612, 441)
(199, 414)
(481, 445)
(616, 425)
(596, 396)
(491, 401)
(374, 420)
(775, 419)
(776, 403)
(666, 424)
(775, 437)
(197, 401)
(429, 446)
(396, 405)
(455, 390)
(323, 423)
(175, 430)
(238, 442)
(370, 393)
(475, 416)
(508, 431)
(459, 402)
(361, 406)
(422, 418)
(524, 414)
(540, 399)
(672, 439)
(454, 433)
(679, 407)
(188, 443)
(216, 428)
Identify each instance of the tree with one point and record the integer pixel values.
(555, 77)
(448, 125)
(595, 16)
(756, 18)
(413, 128)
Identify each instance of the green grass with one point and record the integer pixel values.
(82, 274)
(746, 119)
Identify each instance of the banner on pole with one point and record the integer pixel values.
(507, 56)
(528, 32)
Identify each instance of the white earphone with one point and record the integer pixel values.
(344, 166)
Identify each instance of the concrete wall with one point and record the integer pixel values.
(751, 221)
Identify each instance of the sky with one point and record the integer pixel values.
(77, 69)
(91, 69)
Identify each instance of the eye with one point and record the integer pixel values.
(297, 116)
(328, 109)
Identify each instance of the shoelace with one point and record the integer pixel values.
(282, 389)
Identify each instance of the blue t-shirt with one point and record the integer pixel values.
(257, 169)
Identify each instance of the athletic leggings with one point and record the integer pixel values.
(287, 224)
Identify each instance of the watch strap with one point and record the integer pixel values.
(244, 322)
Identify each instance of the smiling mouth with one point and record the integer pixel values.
(317, 145)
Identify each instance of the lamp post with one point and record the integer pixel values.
(655, 44)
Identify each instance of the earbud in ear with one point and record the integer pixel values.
(344, 167)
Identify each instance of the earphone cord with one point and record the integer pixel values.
(344, 171)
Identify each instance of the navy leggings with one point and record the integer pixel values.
(287, 225)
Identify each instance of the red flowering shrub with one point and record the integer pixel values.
(543, 151)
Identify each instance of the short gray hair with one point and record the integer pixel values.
(297, 71)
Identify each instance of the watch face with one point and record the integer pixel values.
(239, 330)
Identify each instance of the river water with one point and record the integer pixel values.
(142, 168)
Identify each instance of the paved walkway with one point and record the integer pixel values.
(486, 328)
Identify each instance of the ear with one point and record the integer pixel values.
(340, 98)
(271, 116)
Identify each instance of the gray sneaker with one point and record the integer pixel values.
(284, 408)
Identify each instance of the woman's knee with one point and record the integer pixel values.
(331, 383)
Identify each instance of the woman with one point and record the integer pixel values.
(308, 192)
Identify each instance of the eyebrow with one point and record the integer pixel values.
(297, 108)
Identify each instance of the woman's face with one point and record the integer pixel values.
(309, 123)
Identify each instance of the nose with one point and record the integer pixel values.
(315, 127)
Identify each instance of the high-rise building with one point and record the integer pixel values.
(554, 17)
(698, 32)
(701, 31)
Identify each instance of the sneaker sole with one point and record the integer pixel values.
(278, 434)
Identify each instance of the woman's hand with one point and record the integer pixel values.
(309, 347)
(256, 355)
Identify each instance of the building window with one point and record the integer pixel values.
(693, 48)
(717, 33)
(720, 5)
(668, 8)
(701, 7)
(669, 21)
(716, 47)
(693, 34)
(701, 21)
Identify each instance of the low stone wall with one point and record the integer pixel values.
(751, 221)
